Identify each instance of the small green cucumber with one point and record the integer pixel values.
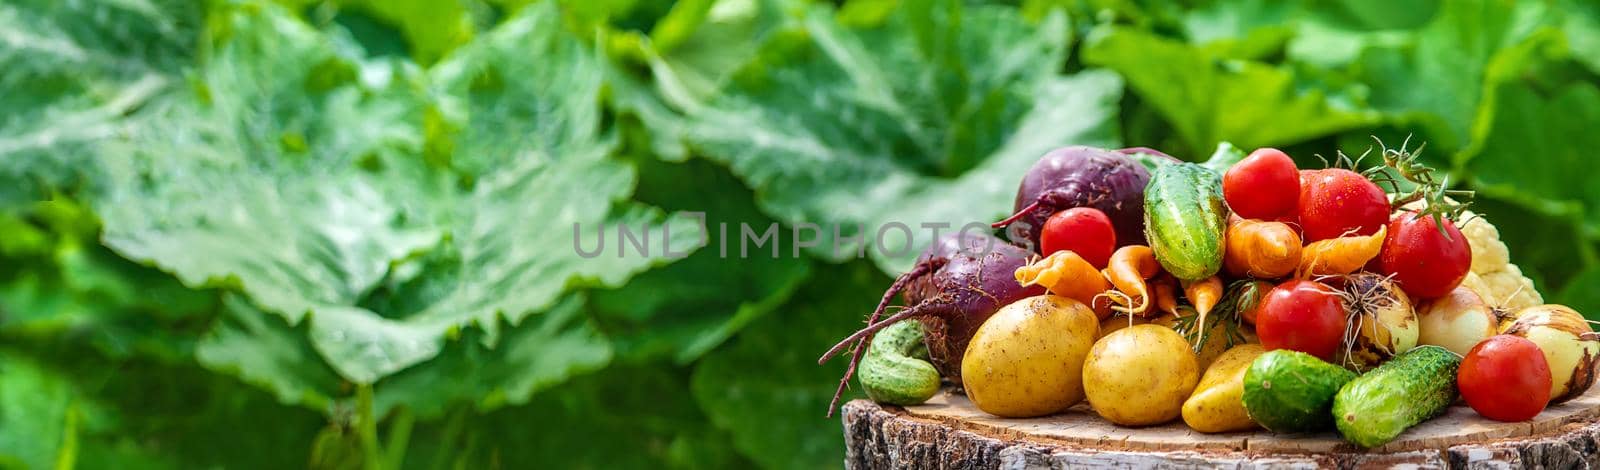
(895, 369)
(1291, 391)
(1409, 389)
(1185, 219)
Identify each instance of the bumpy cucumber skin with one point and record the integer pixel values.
(1185, 219)
(1411, 388)
(1291, 391)
(895, 369)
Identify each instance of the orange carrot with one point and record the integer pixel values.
(1066, 274)
(1204, 294)
(1128, 269)
(1165, 294)
(1343, 255)
(1261, 249)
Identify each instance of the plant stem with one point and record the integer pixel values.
(367, 429)
(466, 455)
(67, 454)
(448, 437)
(399, 438)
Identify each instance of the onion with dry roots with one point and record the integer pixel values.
(1569, 346)
(1458, 321)
(1382, 323)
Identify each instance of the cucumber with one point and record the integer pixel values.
(1409, 389)
(895, 369)
(1291, 391)
(1185, 218)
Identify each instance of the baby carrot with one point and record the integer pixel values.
(1128, 269)
(1261, 249)
(1066, 274)
(1343, 255)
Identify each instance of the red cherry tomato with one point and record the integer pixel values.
(1265, 185)
(1084, 230)
(1336, 202)
(1425, 262)
(1505, 378)
(1304, 316)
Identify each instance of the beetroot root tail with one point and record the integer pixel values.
(916, 272)
(1028, 209)
(865, 334)
(900, 283)
(844, 382)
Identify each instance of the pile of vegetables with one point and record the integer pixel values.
(1237, 293)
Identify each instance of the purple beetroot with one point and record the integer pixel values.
(957, 283)
(1078, 176)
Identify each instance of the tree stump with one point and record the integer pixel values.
(948, 432)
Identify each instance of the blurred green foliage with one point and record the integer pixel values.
(242, 233)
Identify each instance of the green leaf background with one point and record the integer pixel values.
(340, 234)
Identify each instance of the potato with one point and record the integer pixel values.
(1027, 359)
(1117, 322)
(1140, 375)
(1218, 401)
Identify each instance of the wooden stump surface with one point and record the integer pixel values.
(948, 432)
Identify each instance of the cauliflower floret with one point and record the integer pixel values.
(1495, 279)
(1489, 254)
(1510, 289)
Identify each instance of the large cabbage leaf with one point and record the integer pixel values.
(70, 71)
(1443, 77)
(770, 374)
(680, 311)
(913, 121)
(1208, 98)
(1583, 32)
(385, 207)
(690, 60)
(540, 353)
(1561, 184)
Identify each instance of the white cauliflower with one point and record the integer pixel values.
(1497, 280)
(1493, 277)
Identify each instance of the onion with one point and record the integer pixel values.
(1382, 322)
(1569, 345)
(1458, 321)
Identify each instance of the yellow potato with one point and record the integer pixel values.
(1140, 375)
(1027, 359)
(1218, 401)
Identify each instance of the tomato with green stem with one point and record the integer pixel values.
(1426, 254)
(1336, 202)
